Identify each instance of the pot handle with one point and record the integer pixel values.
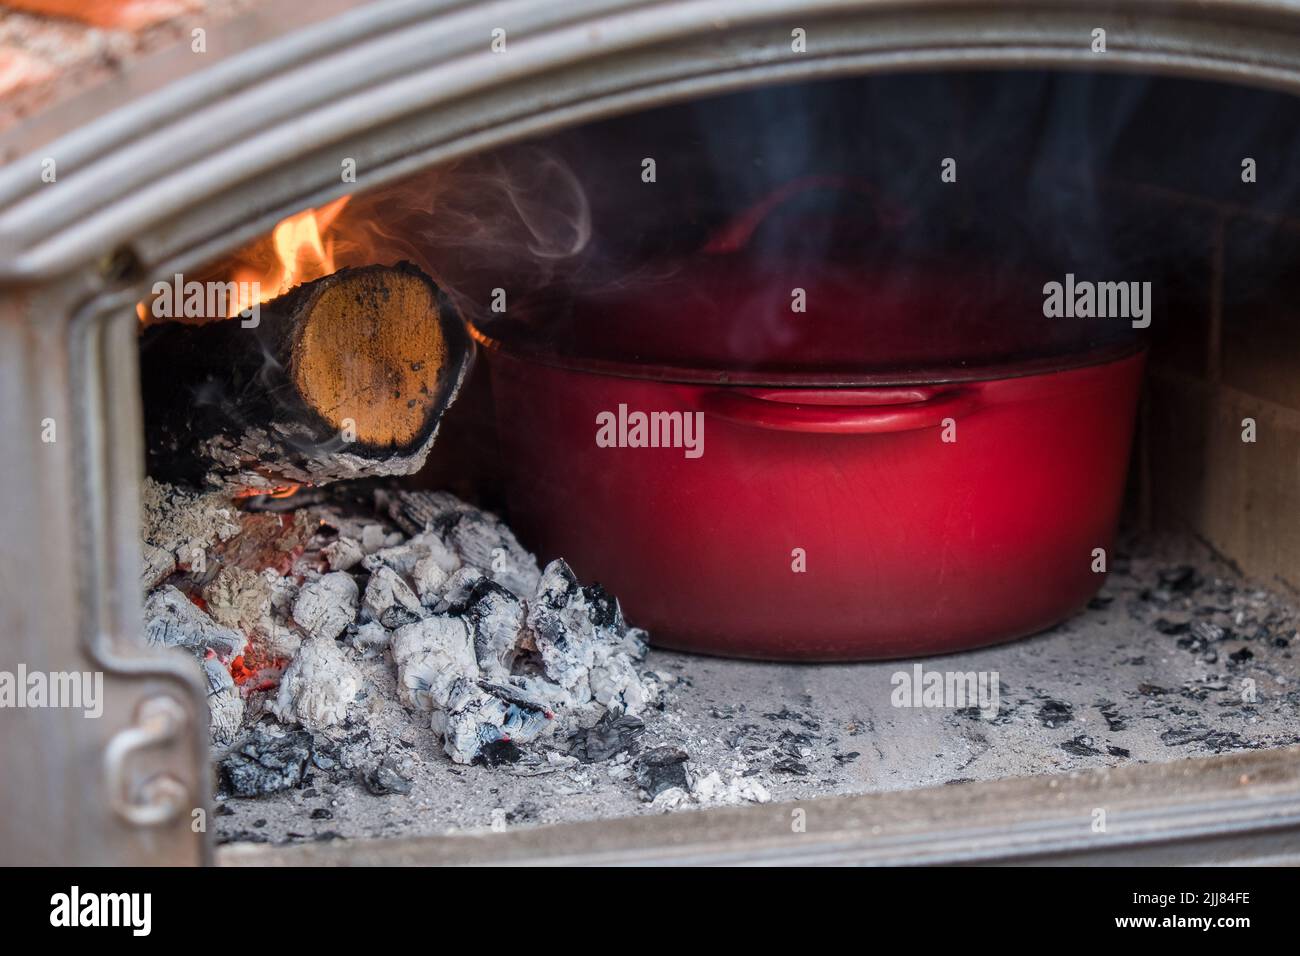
(735, 235)
(842, 411)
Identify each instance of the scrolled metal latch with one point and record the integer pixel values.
(159, 798)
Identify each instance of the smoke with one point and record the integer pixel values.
(511, 221)
(1052, 173)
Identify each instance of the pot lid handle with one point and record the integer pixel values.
(854, 412)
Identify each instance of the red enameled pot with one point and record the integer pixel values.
(915, 465)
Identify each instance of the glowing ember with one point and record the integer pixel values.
(256, 672)
(279, 491)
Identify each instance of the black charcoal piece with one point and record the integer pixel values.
(1222, 741)
(740, 735)
(267, 764)
(418, 511)
(497, 752)
(662, 769)
(387, 778)
(789, 739)
(525, 812)
(323, 758)
(398, 616)
(785, 713)
(1055, 713)
(1081, 746)
(609, 736)
(1185, 735)
(514, 694)
(1183, 579)
(603, 607)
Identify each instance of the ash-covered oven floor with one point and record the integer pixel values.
(1158, 668)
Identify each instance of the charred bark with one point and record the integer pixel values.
(343, 377)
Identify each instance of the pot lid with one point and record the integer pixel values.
(731, 319)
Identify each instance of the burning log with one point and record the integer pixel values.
(342, 377)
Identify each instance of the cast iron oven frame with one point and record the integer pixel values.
(210, 160)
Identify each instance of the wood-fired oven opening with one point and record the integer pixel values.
(495, 471)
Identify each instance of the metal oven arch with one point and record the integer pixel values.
(216, 158)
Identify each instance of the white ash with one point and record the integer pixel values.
(173, 620)
(300, 456)
(533, 659)
(257, 604)
(374, 537)
(477, 538)
(239, 598)
(318, 686)
(369, 639)
(432, 655)
(476, 719)
(740, 719)
(430, 577)
(437, 553)
(176, 524)
(326, 606)
(343, 554)
(484, 542)
(711, 789)
(497, 618)
(225, 704)
(490, 652)
(438, 671)
(277, 641)
(401, 558)
(283, 595)
(390, 600)
(615, 683)
(491, 662)
(585, 644)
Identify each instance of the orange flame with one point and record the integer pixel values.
(304, 251)
(300, 249)
(279, 491)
